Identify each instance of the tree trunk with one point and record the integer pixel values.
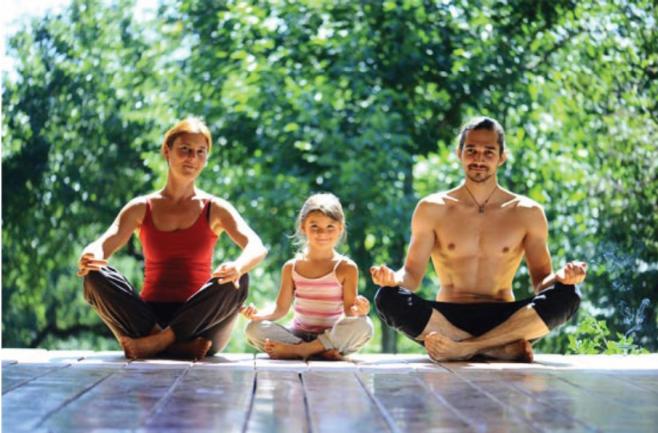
(389, 339)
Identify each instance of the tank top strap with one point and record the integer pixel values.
(340, 260)
(147, 214)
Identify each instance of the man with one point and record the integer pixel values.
(476, 235)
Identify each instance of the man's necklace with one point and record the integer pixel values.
(480, 206)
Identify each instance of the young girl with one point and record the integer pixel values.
(330, 320)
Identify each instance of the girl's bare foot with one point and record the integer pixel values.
(146, 347)
(331, 355)
(441, 348)
(277, 350)
(519, 351)
(194, 349)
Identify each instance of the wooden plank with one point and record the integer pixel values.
(206, 399)
(230, 360)
(476, 407)
(122, 401)
(20, 355)
(616, 407)
(20, 374)
(408, 406)
(542, 417)
(337, 402)
(264, 362)
(337, 366)
(278, 403)
(380, 362)
(26, 407)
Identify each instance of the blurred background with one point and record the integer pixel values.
(360, 98)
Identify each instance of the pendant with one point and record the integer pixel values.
(481, 209)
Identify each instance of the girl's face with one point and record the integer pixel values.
(321, 231)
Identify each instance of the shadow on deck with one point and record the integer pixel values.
(65, 391)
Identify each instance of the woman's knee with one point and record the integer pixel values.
(241, 291)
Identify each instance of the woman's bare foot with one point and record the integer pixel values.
(194, 349)
(331, 355)
(441, 348)
(146, 347)
(519, 351)
(277, 350)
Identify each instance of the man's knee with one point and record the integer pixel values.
(387, 302)
(558, 304)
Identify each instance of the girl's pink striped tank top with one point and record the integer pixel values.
(318, 301)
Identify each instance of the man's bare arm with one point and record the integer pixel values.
(538, 258)
(537, 255)
(422, 242)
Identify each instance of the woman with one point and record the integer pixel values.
(184, 309)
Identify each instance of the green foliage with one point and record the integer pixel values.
(592, 337)
(363, 99)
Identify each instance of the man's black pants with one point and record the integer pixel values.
(409, 313)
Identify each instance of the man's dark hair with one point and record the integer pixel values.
(483, 123)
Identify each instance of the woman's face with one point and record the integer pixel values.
(188, 154)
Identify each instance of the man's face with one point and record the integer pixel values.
(480, 155)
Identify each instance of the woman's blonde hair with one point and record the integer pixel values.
(325, 203)
(189, 125)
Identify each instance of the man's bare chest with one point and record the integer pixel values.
(489, 235)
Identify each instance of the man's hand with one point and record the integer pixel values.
(572, 273)
(89, 262)
(383, 276)
(361, 306)
(228, 272)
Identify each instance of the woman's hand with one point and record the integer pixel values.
(89, 261)
(361, 306)
(228, 272)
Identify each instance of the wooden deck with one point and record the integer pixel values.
(45, 391)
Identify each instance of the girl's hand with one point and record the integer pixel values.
(361, 306)
(89, 262)
(228, 272)
(249, 311)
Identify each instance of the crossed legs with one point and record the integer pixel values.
(202, 324)
(507, 341)
(452, 331)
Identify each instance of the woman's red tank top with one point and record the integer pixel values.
(177, 262)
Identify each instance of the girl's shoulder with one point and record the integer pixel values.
(346, 266)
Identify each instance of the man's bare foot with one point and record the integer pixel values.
(519, 351)
(194, 349)
(331, 355)
(441, 348)
(278, 350)
(146, 347)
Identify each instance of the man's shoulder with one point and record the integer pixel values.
(438, 200)
(523, 205)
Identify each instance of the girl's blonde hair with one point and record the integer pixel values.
(325, 203)
(189, 125)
